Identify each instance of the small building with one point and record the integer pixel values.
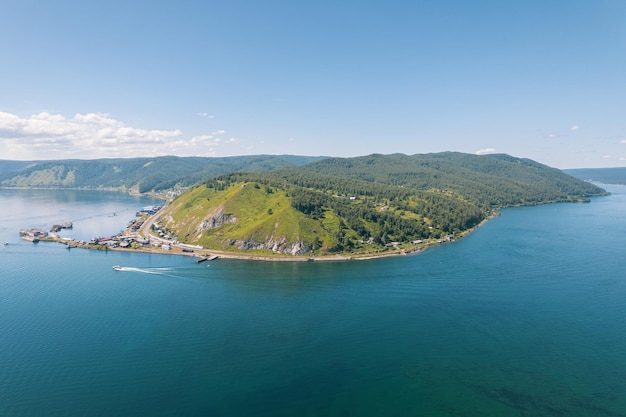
(150, 209)
(37, 233)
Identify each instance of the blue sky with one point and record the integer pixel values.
(544, 80)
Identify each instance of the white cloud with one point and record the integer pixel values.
(203, 139)
(485, 151)
(93, 135)
(574, 127)
(623, 142)
(206, 115)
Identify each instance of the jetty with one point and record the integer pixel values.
(33, 235)
(58, 227)
(30, 238)
(206, 258)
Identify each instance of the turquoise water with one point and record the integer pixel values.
(524, 317)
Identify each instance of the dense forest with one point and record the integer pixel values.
(365, 204)
(489, 181)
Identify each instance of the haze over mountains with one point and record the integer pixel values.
(159, 173)
(136, 174)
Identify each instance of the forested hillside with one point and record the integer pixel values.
(137, 174)
(368, 204)
(487, 180)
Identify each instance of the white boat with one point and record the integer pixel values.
(117, 267)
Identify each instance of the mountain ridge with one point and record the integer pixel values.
(140, 175)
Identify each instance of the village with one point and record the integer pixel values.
(140, 233)
(145, 234)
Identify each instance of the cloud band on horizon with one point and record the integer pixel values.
(94, 135)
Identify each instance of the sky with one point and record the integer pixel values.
(544, 80)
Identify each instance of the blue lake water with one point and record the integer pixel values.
(524, 317)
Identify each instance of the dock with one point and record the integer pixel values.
(206, 258)
(58, 227)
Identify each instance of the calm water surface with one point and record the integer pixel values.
(524, 317)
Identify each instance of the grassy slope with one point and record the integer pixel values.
(259, 214)
(265, 214)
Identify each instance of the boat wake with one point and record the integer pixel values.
(179, 272)
(156, 271)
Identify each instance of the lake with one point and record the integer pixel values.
(524, 317)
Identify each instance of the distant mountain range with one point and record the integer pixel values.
(602, 175)
(139, 175)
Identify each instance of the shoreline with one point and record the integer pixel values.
(202, 253)
(177, 249)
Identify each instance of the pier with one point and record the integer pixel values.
(206, 258)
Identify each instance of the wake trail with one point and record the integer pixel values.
(155, 271)
(172, 272)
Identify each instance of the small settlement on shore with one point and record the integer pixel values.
(138, 236)
(143, 234)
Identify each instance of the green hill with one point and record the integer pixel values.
(487, 180)
(362, 205)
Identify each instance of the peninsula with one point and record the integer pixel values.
(346, 208)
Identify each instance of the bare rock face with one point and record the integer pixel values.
(299, 248)
(216, 219)
(275, 245)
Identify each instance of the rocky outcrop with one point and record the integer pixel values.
(275, 245)
(216, 219)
